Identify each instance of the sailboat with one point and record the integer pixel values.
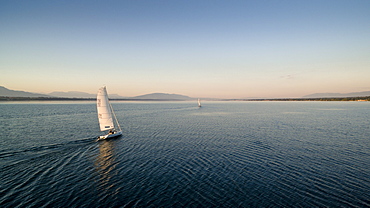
(106, 115)
(199, 105)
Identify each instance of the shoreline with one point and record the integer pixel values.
(358, 99)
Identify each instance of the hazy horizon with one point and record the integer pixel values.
(217, 49)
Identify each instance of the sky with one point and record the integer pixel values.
(198, 48)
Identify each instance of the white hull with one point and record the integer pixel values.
(108, 136)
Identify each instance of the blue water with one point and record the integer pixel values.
(174, 154)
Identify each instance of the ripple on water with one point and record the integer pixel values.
(223, 154)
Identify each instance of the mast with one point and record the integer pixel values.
(115, 118)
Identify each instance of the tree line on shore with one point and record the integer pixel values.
(5, 98)
(366, 98)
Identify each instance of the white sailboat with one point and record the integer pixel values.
(106, 115)
(199, 105)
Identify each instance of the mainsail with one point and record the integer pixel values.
(104, 110)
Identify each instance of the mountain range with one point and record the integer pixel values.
(163, 96)
(4, 92)
(75, 94)
(14, 93)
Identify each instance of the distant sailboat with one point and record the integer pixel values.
(199, 105)
(106, 115)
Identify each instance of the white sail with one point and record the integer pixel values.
(104, 110)
(199, 105)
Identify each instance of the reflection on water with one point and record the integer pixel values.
(105, 164)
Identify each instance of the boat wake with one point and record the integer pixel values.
(32, 150)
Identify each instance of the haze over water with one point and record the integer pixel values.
(174, 154)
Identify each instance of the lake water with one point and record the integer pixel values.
(174, 154)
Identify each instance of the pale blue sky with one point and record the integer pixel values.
(210, 48)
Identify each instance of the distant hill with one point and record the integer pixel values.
(152, 96)
(339, 95)
(14, 93)
(4, 92)
(76, 94)
(162, 96)
(72, 94)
